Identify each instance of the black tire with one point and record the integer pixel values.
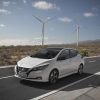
(80, 69)
(53, 77)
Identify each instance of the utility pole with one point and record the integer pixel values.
(77, 27)
(43, 26)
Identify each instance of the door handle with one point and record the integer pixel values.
(69, 60)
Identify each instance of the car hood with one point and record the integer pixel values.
(30, 62)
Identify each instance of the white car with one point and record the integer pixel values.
(50, 64)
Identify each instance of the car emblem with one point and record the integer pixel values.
(22, 69)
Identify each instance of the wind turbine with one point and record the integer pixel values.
(76, 31)
(43, 26)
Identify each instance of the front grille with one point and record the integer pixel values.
(22, 69)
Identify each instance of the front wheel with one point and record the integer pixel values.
(80, 69)
(53, 77)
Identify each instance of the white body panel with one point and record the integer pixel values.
(75, 62)
(29, 62)
(63, 66)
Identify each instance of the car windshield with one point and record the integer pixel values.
(47, 53)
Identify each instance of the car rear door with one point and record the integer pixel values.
(74, 60)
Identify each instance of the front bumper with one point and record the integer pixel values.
(39, 76)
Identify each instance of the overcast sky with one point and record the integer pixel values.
(19, 27)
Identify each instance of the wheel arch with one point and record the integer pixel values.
(81, 64)
(55, 69)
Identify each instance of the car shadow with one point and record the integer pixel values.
(93, 82)
(61, 82)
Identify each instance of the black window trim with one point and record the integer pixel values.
(70, 53)
(63, 51)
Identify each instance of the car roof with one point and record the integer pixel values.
(60, 48)
(56, 48)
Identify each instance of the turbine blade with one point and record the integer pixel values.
(38, 19)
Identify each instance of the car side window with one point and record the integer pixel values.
(73, 53)
(64, 55)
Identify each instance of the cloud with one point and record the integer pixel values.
(8, 42)
(89, 14)
(6, 3)
(2, 25)
(40, 38)
(15, 42)
(24, 1)
(65, 19)
(43, 5)
(48, 18)
(4, 11)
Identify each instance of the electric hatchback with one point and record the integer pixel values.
(49, 65)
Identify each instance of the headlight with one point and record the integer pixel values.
(41, 67)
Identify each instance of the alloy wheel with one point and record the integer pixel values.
(53, 76)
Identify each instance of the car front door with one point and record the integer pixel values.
(63, 63)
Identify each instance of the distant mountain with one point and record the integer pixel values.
(97, 41)
(87, 42)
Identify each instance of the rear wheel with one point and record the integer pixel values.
(53, 77)
(80, 69)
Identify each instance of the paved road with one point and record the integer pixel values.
(12, 88)
(6, 71)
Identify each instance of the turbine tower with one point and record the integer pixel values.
(77, 27)
(43, 26)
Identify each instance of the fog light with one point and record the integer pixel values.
(40, 78)
(36, 78)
